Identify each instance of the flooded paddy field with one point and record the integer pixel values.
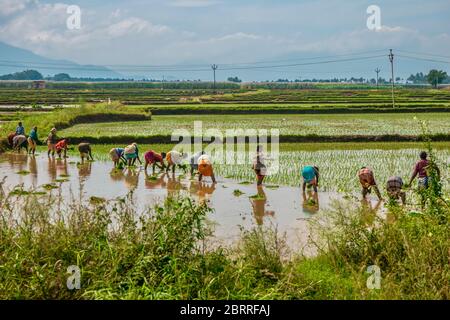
(236, 201)
(236, 204)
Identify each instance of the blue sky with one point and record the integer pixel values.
(164, 32)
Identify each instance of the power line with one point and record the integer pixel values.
(302, 64)
(424, 54)
(423, 59)
(83, 68)
(193, 65)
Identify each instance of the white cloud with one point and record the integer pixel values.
(8, 7)
(134, 25)
(193, 3)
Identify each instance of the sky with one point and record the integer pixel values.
(225, 32)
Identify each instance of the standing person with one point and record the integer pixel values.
(367, 181)
(205, 168)
(84, 148)
(420, 169)
(33, 140)
(193, 161)
(310, 177)
(20, 130)
(175, 158)
(52, 139)
(259, 166)
(394, 189)
(131, 153)
(155, 159)
(61, 146)
(116, 155)
(19, 142)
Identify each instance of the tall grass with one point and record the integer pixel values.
(165, 252)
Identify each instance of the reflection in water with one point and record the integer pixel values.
(52, 168)
(17, 161)
(32, 167)
(61, 167)
(85, 169)
(259, 206)
(154, 181)
(202, 190)
(116, 175)
(132, 178)
(174, 185)
(311, 202)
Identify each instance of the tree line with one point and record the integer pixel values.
(434, 78)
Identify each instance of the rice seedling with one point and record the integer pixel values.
(50, 186)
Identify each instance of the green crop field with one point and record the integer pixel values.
(333, 125)
(191, 93)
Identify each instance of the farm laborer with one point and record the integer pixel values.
(155, 159)
(20, 130)
(175, 158)
(10, 138)
(193, 161)
(310, 176)
(259, 166)
(421, 169)
(394, 188)
(52, 139)
(61, 146)
(205, 168)
(85, 150)
(33, 140)
(116, 155)
(19, 142)
(131, 153)
(367, 181)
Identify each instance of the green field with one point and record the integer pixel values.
(330, 125)
(193, 93)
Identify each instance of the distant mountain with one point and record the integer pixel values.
(14, 59)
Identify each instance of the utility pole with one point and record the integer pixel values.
(377, 70)
(214, 67)
(391, 59)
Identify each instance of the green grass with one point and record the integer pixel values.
(329, 125)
